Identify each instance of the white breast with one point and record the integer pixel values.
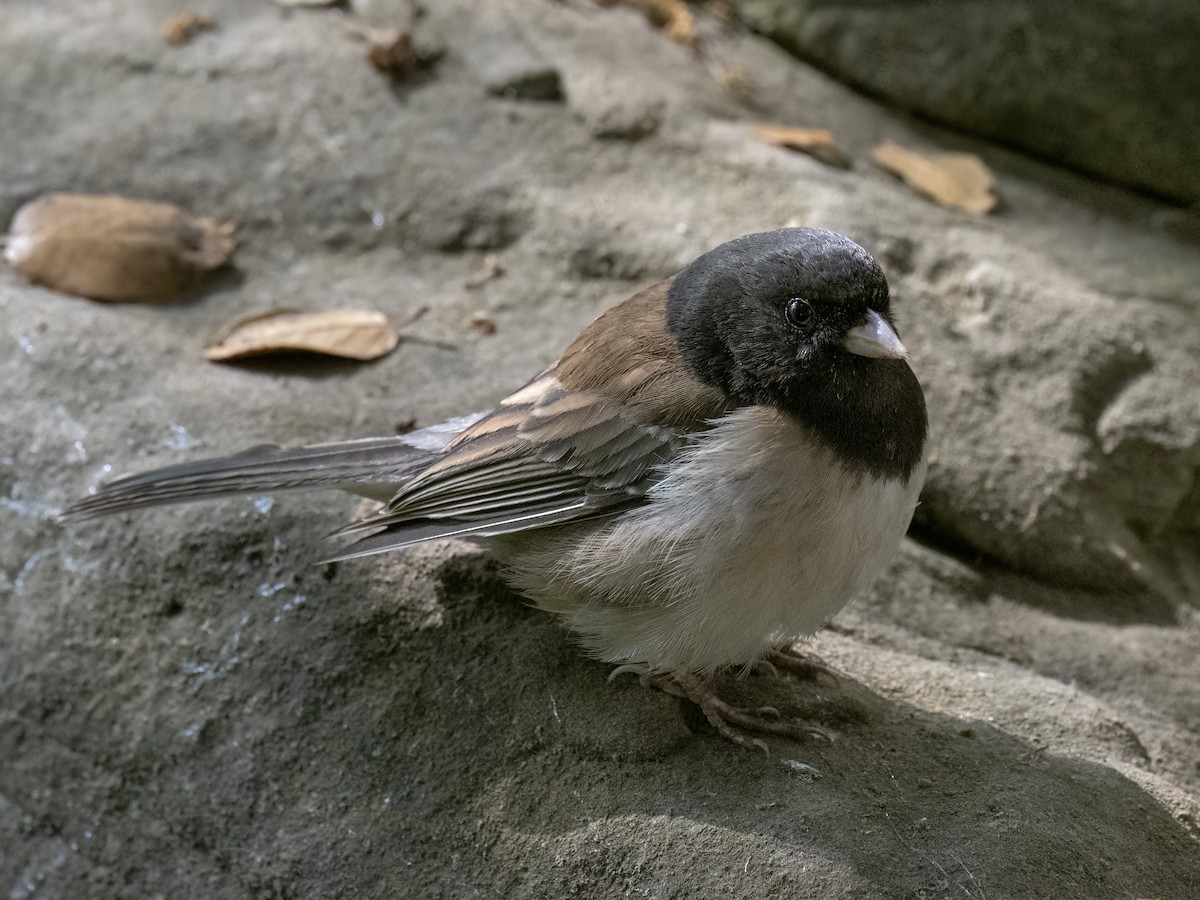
(755, 539)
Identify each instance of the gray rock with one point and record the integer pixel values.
(1069, 451)
(190, 707)
(623, 89)
(1110, 88)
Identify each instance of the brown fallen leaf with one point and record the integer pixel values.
(114, 248)
(483, 323)
(679, 24)
(181, 28)
(960, 180)
(309, 3)
(349, 333)
(816, 142)
(393, 52)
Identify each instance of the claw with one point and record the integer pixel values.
(818, 732)
(628, 669)
(766, 664)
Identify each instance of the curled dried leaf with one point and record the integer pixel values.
(393, 52)
(816, 142)
(960, 180)
(679, 26)
(181, 28)
(348, 333)
(115, 248)
(483, 323)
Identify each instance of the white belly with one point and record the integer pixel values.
(747, 545)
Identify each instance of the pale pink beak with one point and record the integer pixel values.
(875, 338)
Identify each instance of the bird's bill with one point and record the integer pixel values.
(875, 338)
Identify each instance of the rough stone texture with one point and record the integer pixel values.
(1069, 445)
(188, 707)
(508, 66)
(1107, 86)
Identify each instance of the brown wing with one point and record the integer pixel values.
(628, 356)
(582, 439)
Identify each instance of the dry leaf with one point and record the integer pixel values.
(349, 333)
(952, 179)
(309, 3)
(679, 25)
(393, 52)
(483, 323)
(115, 248)
(817, 142)
(393, 55)
(181, 28)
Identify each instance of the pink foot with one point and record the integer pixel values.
(731, 721)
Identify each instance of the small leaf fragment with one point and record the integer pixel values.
(115, 248)
(348, 333)
(816, 142)
(393, 52)
(678, 22)
(181, 28)
(483, 323)
(315, 4)
(960, 180)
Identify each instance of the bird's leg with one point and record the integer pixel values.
(789, 659)
(731, 721)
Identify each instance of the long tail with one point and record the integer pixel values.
(373, 467)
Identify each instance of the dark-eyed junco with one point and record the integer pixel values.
(709, 472)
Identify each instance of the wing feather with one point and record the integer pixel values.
(555, 457)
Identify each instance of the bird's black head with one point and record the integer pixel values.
(800, 319)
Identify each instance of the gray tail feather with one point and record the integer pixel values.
(374, 467)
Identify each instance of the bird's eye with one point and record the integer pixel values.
(799, 312)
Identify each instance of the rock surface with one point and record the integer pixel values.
(1107, 87)
(188, 707)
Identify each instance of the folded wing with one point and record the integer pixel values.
(545, 456)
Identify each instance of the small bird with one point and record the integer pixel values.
(711, 470)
